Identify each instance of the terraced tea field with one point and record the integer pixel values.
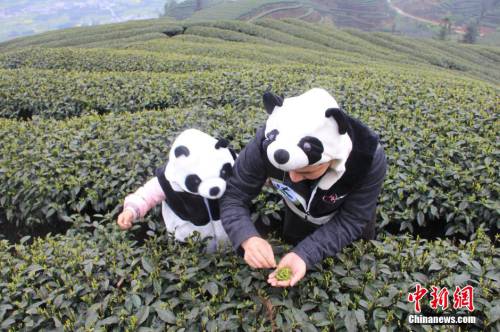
(87, 114)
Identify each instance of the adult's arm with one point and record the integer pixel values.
(347, 225)
(249, 175)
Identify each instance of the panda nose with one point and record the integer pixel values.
(281, 156)
(214, 191)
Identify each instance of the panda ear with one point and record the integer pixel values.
(181, 150)
(222, 143)
(340, 117)
(271, 100)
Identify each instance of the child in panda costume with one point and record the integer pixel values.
(189, 187)
(328, 167)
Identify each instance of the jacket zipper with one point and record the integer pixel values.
(208, 208)
(310, 200)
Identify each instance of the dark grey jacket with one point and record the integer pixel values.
(358, 189)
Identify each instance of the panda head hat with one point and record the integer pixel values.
(308, 129)
(199, 164)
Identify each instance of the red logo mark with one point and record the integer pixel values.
(463, 298)
(439, 299)
(417, 296)
(332, 198)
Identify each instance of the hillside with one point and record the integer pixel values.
(88, 114)
(407, 17)
(345, 46)
(419, 18)
(461, 12)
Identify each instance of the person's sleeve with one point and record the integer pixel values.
(353, 216)
(249, 175)
(144, 198)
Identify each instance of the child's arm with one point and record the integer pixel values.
(145, 198)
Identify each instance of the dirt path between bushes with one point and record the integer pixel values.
(274, 10)
(403, 13)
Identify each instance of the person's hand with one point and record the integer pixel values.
(296, 264)
(125, 219)
(258, 253)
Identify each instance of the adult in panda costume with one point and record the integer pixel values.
(328, 167)
(189, 187)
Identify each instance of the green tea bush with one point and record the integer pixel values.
(105, 36)
(253, 54)
(87, 165)
(474, 55)
(339, 39)
(102, 120)
(103, 280)
(428, 54)
(87, 35)
(222, 34)
(319, 38)
(272, 35)
(437, 175)
(229, 10)
(105, 60)
(473, 60)
(487, 52)
(120, 43)
(61, 94)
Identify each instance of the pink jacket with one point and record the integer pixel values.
(144, 198)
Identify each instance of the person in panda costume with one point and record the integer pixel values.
(189, 187)
(327, 166)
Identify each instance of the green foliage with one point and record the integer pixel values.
(87, 165)
(351, 46)
(106, 60)
(103, 279)
(87, 35)
(222, 10)
(438, 143)
(439, 148)
(100, 120)
(471, 33)
(208, 31)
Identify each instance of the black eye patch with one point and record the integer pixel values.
(312, 147)
(192, 182)
(272, 134)
(181, 150)
(226, 171)
(270, 137)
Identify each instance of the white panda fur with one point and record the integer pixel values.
(295, 118)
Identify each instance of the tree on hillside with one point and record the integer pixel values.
(471, 33)
(445, 30)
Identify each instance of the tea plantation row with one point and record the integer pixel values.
(105, 33)
(103, 280)
(98, 60)
(438, 176)
(473, 61)
(82, 127)
(60, 93)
